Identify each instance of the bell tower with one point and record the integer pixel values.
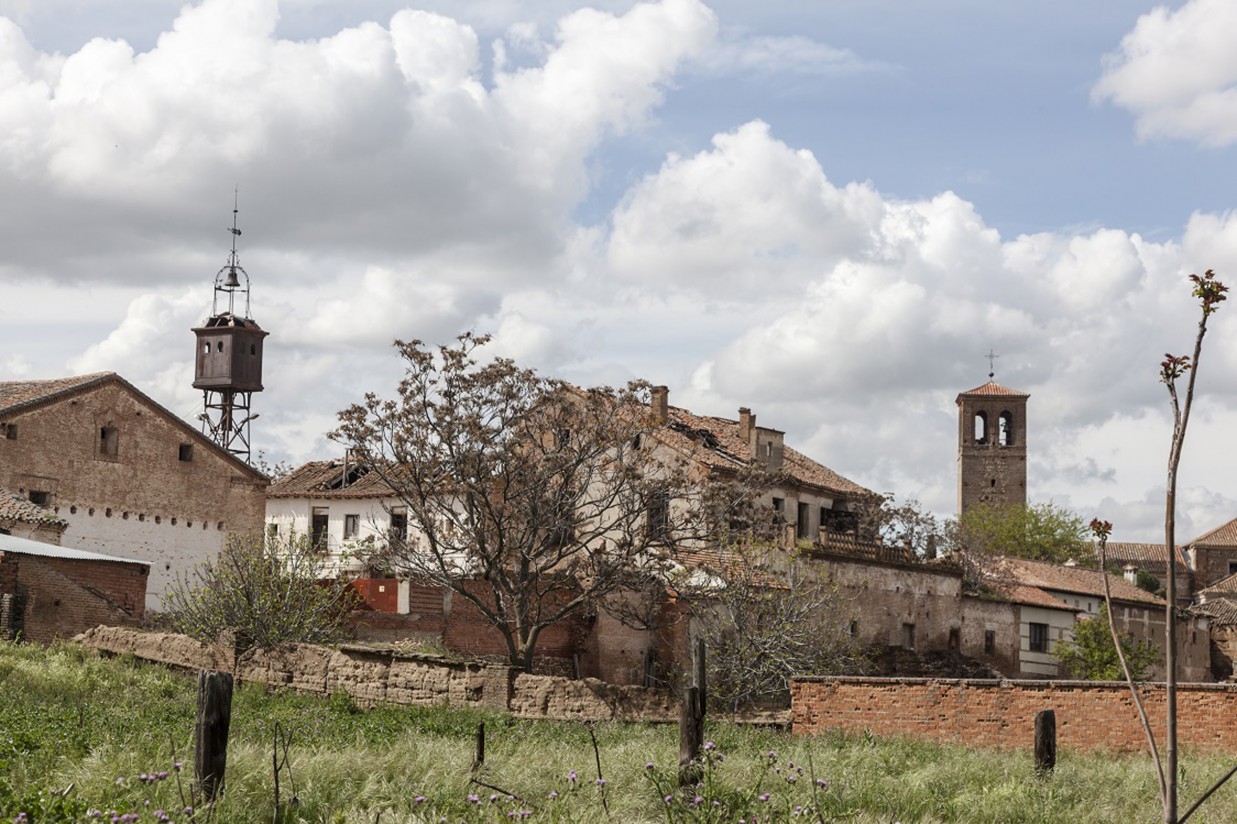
(992, 446)
(228, 364)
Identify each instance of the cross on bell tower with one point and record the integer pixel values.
(228, 364)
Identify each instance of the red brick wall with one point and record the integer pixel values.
(60, 606)
(1089, 715)
(123, 584)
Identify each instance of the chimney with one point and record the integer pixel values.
(746, 421)
(1131, 573)
(659, 403)
(767, 446)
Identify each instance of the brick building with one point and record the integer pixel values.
(49, 592)
(125, 475)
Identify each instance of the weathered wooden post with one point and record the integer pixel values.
(478, 759)
(1045, 742)
(691, 720)
(210, 735)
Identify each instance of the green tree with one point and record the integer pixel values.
(1091, 654)
(1038, 532)
(264, 591)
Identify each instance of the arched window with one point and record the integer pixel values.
(981, 427)
(1005, 430)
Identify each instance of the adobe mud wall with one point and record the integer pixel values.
(372, 677)
(1001, 714)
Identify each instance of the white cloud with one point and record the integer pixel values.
(743, 54)
(1176, 71)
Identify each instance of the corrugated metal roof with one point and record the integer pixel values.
(24, 546)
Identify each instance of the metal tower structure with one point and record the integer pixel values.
(228, 365)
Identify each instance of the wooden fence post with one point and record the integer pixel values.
(210, 735)
(478, 760)
(1045, 742)
(691, 720)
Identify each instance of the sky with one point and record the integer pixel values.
(827, 212)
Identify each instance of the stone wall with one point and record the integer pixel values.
(989, 713)
(372, 676)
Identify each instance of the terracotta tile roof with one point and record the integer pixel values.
(1223, 535)
(16, 509)
(1144, 556)
(1221, 611)
(990, 389)
(325, 479)
(18, 395)
(1018, 593)
(717, 443)
(1221, 588)
(1066, 579)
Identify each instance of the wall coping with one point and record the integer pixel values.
(1009, 683)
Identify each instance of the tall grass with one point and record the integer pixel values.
(94, 726)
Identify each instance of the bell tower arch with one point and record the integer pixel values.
(992, 446)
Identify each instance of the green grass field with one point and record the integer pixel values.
(78, 733)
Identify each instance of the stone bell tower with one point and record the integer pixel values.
(992, 446)
(228, 365)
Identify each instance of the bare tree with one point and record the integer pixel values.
(1210, 293)
(525, 496)
(763, 621)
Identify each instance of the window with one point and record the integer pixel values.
(779, 504)
(955, 638)
(186, 452)
(1005, 429)
(854, 629)
(10, 431)
(802, 522)
(1232, 567)
(351, 526)
(658, 514)
(109, 441)
(989, 642)
(908, 636)
(272, 530)
(1039, 637)
(39, 497)
(398, 531)
(319, 522)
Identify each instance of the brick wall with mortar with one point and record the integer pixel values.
(144, 502)
(1001, 714)
(372, 677)
(990, 473)
(60, 601)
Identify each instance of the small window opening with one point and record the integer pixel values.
(10, 431)
(109, 441)
(272, 530)
(219, 346)
(992, 482)
(352, 524)
(658, 515)
(908, 636)
(955, 638)
(989, 642)
(397, 533)
(1038, 637)
(319, 523)
(253, 349)
(854, 629)
(981, 427)
(39, 497)
(206, 348)
(779, 504)
(803, 521)
(186, 452)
